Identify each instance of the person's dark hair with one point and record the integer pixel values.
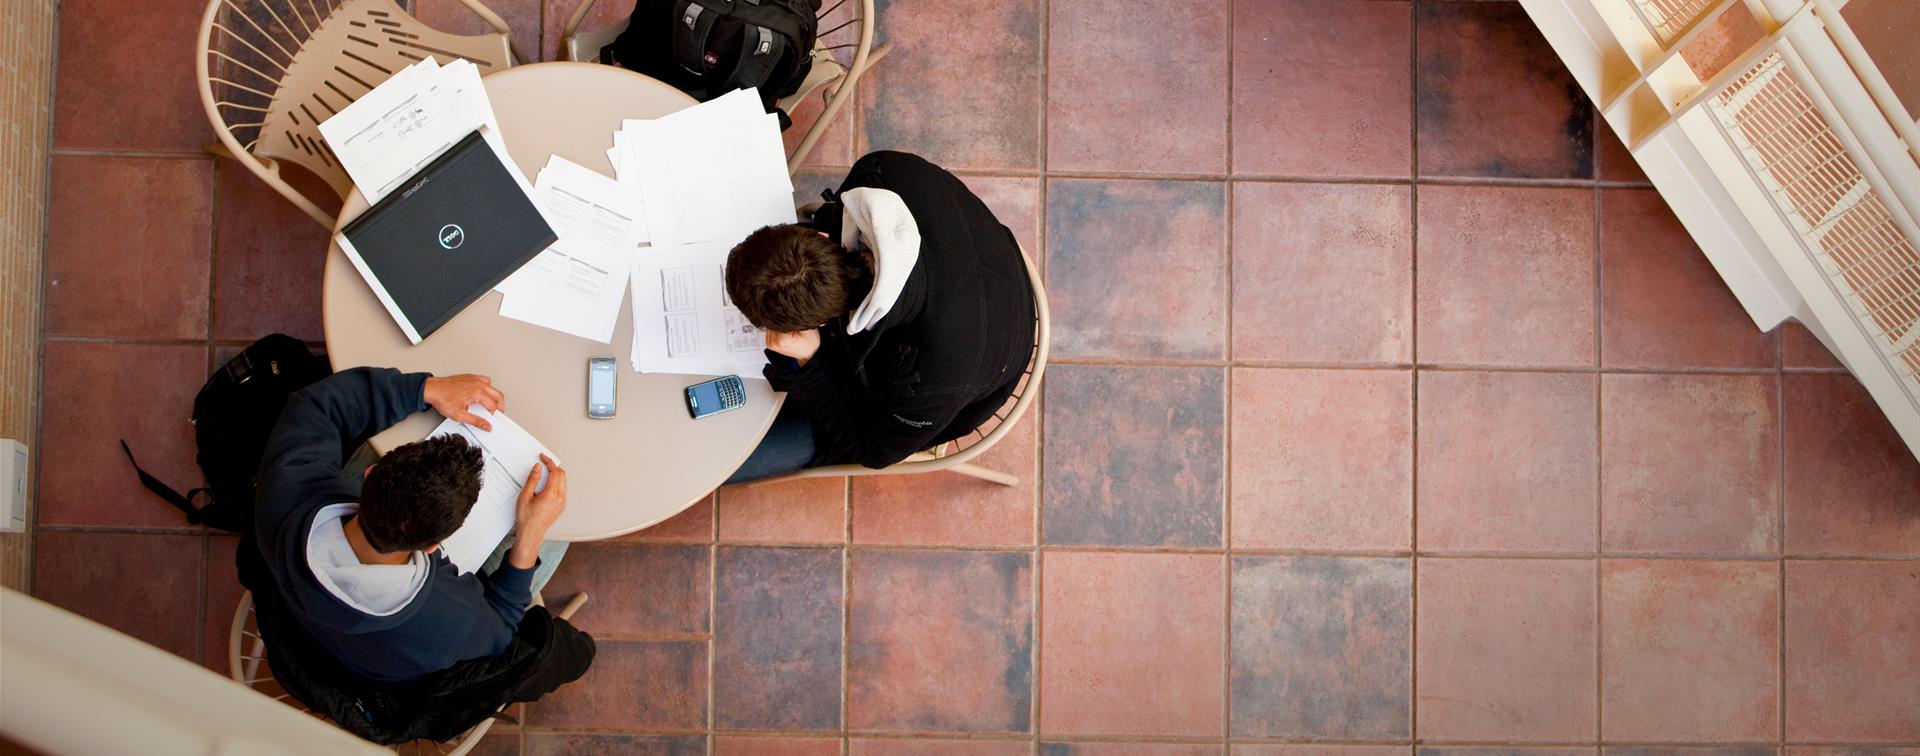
(419, 493)
(790, 278)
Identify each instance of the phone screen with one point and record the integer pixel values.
(704, 399)
(600, 378)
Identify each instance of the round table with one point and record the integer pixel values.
(648, 462)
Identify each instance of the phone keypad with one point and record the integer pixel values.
(731, 394)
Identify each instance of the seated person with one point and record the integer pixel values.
(356, 562)
(899, 319)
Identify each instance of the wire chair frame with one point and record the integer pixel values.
(269, 71)
(834, 74)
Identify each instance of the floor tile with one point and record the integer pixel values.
(1508, 462)
(90, 574)
(693, 525)
(926, 747)
(1484, 69)
(1505, 650)
(554, 15)
(1016, 203)
(1320, 88)
(128, 246)
(1851, 650)
(1323, 272)
(1661, 303)
(1138, 459)
(497, 744)
(750, 745)
(1803, 349)
(777, 640)
(1690, 464)
(1510, 751)
(1506, 275)
(1852, 485)
(1137, 88)
(950, 509)
(1322, 459)
(1611, 159)
(1319, 750)
(111, 392)
(962, 85)
(267, 261)
(523, 17)
(584, 744)
(1688, 751)
(636, 589)
(222, 593)
(126, 77)
(1851, 751)
(1720, 41)
(1690, 651)
(809, 510)
(633, 685)
(1128, 749)
(940, 641)
(1322, 647)
(1137, 268)
(1099, 612)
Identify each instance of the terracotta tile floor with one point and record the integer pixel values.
(1376, 421)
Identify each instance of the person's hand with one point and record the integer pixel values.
(800, 345)
(452, 395)
(537, 511)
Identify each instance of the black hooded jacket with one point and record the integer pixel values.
(947, 354)
(454, 617)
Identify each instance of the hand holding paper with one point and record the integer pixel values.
(508, 454)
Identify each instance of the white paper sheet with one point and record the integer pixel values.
(586, 203)
(574, 287)
(393, 131)
(682, 321)
(510, 454)
(714, 172)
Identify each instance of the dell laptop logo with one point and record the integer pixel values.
(452, 236)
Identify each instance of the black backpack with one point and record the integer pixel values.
(708, 48)
(232, 416)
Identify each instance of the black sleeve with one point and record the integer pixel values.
(308, 444)
(853, 426)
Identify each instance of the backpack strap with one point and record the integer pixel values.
(694, 26)
(760, 51)
(182, 502)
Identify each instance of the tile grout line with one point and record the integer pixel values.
(1226, 412)
(846, 608)
(1599, 506)
(1413, 346)
(1780, 630)
(1036, 707)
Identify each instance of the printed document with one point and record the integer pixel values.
(395, 129)
(573, 287)
(509, 454)
(683, 321)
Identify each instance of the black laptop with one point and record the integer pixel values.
(458, 227)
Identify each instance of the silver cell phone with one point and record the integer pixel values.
(715, 396)
(601, 377)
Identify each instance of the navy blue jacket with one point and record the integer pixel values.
(453, 618)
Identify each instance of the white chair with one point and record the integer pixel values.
(828, 72)
(246, 664)
(958, 455)
(269, 71)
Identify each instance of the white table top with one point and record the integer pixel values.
(651, 460)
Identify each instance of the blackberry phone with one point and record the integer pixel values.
(715, 396)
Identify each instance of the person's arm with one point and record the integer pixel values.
(510, 587)
(849, 425)
(309, 442)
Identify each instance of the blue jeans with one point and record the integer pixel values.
(788, 446)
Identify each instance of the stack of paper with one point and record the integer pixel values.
(393, 131)
(708, 176)
(509, 453)
(575, 286)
